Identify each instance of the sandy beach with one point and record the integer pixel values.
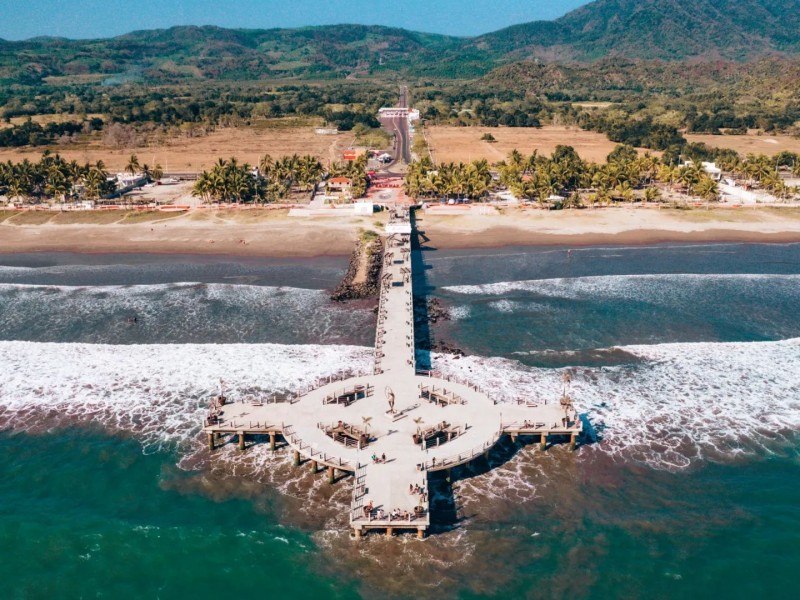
(274, 233)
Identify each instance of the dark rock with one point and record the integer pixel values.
(347, 290)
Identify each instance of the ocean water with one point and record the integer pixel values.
(684, 362)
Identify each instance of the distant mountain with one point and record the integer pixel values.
(216, 53)
(615, 78)
(670, 30)
(656, 29)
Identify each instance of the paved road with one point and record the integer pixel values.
(403, 97)
(399, 126)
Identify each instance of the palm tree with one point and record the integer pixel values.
(133, 165)
(624, 191)
(56, 186)
(16, 189)
(93, 182)
(652, 194)
(158, 172)
(515, 158)
(690, 175)
(707, 189)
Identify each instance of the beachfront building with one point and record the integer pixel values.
(340, 185)
(712, 170)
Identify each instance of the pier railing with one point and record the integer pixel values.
(459, 380)
(355, 438)
(462, 457)
(273, 399)
(359, 493)
(309, 451)
(323, 381)
(387, 281)
(526, 426)
(358, 513)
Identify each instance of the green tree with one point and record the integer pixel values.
(133, 165)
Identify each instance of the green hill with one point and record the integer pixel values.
(669, 30)
(656, 29)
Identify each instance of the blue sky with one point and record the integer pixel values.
(105, 18)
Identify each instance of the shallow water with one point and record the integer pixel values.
(684, 367)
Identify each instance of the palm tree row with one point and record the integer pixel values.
(53, 178)
(151, 174)
(564, 176)
(289, 171)
(228, 181)
(273, 179)
(451, 180)
(763, 170)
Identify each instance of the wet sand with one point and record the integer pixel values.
(274, 233)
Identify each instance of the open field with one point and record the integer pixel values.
(195, 154)
(745, 144)
(462, 144)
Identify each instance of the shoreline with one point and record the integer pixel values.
(442, 242)
(643, 237)
(280, 236)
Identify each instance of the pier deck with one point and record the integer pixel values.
(420, 422)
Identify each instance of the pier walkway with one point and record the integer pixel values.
(394, 425)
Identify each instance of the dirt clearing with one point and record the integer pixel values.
(198, 153)
(745, 144)
(462, 144)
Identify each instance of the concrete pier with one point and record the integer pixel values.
(393, 426)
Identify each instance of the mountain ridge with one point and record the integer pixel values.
(667, 30)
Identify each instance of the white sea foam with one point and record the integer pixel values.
(216, 291)
(506, 306)
(159, 393)
(620, 286)
(460, 312)
(682, 403)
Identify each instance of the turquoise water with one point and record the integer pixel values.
(689, 490)
(83, 515)
(86, 516)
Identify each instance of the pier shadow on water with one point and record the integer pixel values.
(447, 513)
(423, 333)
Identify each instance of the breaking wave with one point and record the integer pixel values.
(673, 404)
(665, 287)
(678, 404)
(178, 313)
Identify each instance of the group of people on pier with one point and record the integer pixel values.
(371, 513)
(414, 489)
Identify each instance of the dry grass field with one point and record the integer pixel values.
(462, 144)
(198, 153)
(745, 144)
